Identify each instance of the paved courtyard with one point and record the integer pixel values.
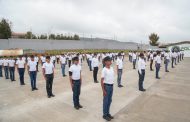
(166, 100)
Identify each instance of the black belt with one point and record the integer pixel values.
(49, 74)
(108, 84)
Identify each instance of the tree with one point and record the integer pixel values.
(76, 37)
(154, 39)
(5, 29)
(28, 35)
(43, 36)
(52, 36)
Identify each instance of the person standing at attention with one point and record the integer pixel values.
(1, 67)
(141, 71)
(158, 64)
(63, 64)
(32, 71)
(76, 81)
(21, 64)
(134, 58)
(107, 81)
(119, 64)
(12, 68)
(95, 65)
(48, 73)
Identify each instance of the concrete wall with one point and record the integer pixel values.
(38, 44)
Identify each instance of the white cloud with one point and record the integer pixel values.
(127, 19)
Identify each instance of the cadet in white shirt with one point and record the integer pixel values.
(119, 64)
(32, 71)
(134, 58)
(90, 61)
(76, 81)
(151, 60)
(107, 81)
(1, 67)
(6, 67)
(70, 59)
(48, 73)
(36, 59)
(43, 59)
(12, 68)
(173, 58)
(20, 63)
(141, 71)
(63, 64)
(95, 65)
(158, 64)
(166, 60)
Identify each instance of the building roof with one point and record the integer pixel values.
(172, 44)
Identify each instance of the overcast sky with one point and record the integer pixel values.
(126, 20)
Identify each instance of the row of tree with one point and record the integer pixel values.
(5, 33)
(30, 35)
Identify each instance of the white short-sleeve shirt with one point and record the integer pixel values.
(20, 63)
(32, 65)
(11, 63)
(108, 75)
(158, 59)
(76, 70)
(63, 60)
(119, 63)
(49, 67)
(5, 62)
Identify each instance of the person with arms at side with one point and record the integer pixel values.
(119, 64)
(107, 81)
(1, 67)
(32, 71)
(141, 71)
(95, 65)
(6, 67)
(134, 59)
(21, 64)
(158, 64)
(63, 64)
(48, 73)
(76, 82)
(12, 68)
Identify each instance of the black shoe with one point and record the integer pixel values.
(80, 106)
(143, 90)
(167, 71)
(110, 116)
(52, 95)
(96, 82)
(35, 88)
(120, 86)
(49, 96)
(106, 118)
(158, 78)
(76, 107)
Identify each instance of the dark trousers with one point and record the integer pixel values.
(178, 59)
(49, 83)
(1, 72)
(37, 66)
(157, 70)
(141, 79)
(21, 75)
(166, 64)
(90, 65)
(33, 75)
(134, 63)
(12, 73)
(76, 92)
(107, 100)
(69, 63)
(95, 72)
(151, 63)
(119, 74)
(173, 62)
(63, 69)
(6, 70)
